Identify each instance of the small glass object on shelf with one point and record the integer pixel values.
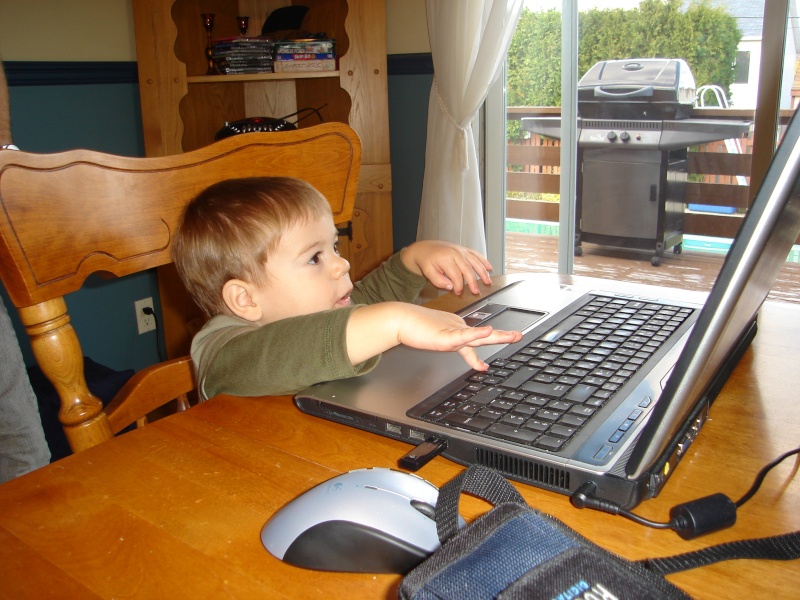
(243, 23)
(208, 23)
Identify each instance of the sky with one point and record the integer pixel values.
(537, 5)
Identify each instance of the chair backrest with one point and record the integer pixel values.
(65, 216)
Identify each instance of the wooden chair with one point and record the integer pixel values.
(65, 216)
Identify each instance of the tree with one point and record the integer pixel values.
(715, 40)
(703, 34)
(534, 60)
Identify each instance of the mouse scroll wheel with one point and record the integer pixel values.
(425, 508)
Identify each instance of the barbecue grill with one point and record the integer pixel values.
(634, 132)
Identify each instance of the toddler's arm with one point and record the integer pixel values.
(446, 265)
(375, 328)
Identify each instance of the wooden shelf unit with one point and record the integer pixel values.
(183, 107)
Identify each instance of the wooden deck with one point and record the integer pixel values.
(693, 270)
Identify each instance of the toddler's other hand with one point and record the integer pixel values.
(448, 266)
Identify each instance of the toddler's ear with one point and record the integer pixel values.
(237, 297)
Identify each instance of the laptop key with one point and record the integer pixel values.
(546, 414)
(504, 405)
(513, 420)
(561, 431)
(491, 414)
(548, 442)
(552, 390)
(572, 420)
(537, 425)
(561, 328)
(559, 405)
(466, 422)
(582, 410)
(514, 396)
(508, 432)
(435, 414)
(525, 409)
(536, 400)
(520, 376)
(580, 393)
(487, 394)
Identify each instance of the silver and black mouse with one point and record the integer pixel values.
(365, 521)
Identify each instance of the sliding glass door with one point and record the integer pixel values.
(535, 183)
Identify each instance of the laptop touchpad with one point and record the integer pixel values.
(510, 319)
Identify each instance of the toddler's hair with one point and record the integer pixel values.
(229, 230)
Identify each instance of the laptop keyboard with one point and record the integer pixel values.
(542, 395)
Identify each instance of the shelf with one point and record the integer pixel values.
(261, 77)
(183, 108)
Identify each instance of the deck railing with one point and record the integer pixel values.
(717, 176)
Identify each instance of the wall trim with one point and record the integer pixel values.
(28, 73)
(410, 64)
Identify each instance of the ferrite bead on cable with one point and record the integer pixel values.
(703, 515)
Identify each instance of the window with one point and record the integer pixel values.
(742, 67)
(504, 209)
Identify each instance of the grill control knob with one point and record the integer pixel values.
(625, 136)
(611, 136)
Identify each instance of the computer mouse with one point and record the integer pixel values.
(373, 520)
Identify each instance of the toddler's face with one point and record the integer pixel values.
(305, 273)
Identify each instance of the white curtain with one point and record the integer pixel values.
(469, 42)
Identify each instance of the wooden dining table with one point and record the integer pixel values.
(175, 509)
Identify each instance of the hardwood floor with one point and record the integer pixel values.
(693, 270)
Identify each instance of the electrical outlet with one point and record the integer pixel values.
(144, 321)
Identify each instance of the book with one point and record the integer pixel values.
(305, 56)
(242, 42)
(245, 70)
(303, 46)
(244, 57)
(289, 66)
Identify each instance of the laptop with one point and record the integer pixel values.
(610, 383)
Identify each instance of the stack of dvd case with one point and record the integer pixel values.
(305, 55)
(240, 55)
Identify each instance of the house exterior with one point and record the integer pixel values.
(749, 15)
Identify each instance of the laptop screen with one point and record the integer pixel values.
(756, 256)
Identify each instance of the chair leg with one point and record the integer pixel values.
(58, 352)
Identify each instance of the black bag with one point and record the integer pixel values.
(515, 551)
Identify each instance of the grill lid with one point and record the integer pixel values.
(637, 88)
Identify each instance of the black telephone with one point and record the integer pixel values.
(268, 124)
(253, 124)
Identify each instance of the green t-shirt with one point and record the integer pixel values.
(234, 356)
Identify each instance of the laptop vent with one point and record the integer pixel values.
(525, 470)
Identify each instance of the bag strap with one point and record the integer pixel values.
(779, 547)
(479, 481)
(489, 485)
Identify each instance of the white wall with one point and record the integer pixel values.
(406, 27)
(102, 30)
(745, 95)
(67, 30)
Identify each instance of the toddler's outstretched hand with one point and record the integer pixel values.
(429, 329)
